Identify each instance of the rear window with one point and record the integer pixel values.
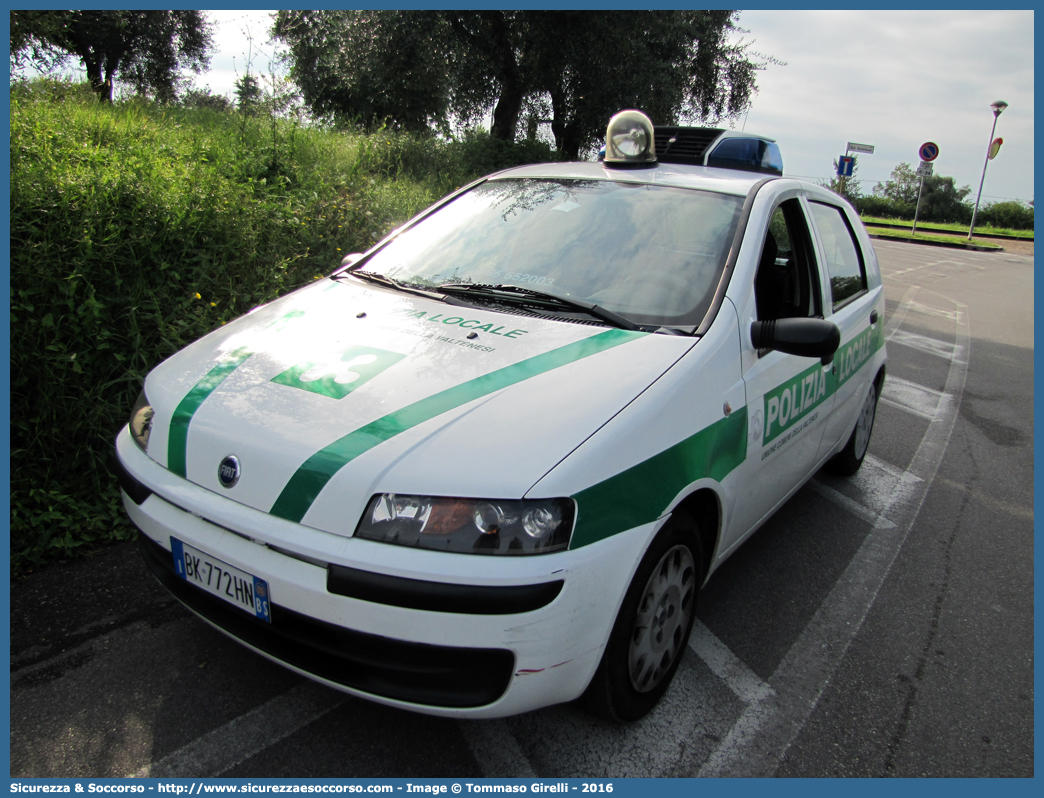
(844, 260)
(653, 254)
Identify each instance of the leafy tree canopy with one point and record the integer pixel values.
(420, 70)
(902, 186)
(941, 199)
(248, 93)
(147, 49)
(371, 67)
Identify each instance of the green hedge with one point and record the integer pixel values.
(1010, 214)
(884, 207)
(135, 229)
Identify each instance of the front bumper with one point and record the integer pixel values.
(447, 634)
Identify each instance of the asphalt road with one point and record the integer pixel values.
(876, 626)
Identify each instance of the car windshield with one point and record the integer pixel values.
(652, 254)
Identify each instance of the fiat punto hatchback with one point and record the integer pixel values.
(487, 465)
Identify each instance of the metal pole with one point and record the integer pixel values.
(975, 213)
(917, 210)
(843, 177)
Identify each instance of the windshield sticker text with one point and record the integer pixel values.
(527, 278)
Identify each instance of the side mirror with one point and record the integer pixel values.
(350, 258)
(801, 337)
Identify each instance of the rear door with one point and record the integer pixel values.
(852, 300)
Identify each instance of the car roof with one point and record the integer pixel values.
(724, 181)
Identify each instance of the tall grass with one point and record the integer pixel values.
(137, 228)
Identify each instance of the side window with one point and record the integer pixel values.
(844, 261)
(786, 285)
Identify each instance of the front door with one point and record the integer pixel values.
(787, 396)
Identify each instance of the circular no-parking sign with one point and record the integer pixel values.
(929, 151)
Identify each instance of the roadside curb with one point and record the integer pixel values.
(955, 245)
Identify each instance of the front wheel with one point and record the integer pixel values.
(847, 461)
(652, 630)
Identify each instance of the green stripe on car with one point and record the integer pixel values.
(640, 494)
(309, 480)
(177, 442)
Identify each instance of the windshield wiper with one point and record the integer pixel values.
(388, 282)
(514, 293)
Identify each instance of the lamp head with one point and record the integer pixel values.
(998, 107)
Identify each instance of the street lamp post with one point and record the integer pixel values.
(997, 107)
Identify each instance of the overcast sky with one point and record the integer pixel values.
(893, 79)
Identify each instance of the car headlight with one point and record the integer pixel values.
(472, 526)
(141, 421)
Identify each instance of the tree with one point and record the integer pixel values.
(30, 32)
(572, 68)
(902, 187)
(942, 201)
(147, 49)
(494, 55)
(670, 64)
(248, 93)
(371, 67)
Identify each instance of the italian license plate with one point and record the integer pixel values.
(220, 579)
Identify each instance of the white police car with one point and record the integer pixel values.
(486, 466)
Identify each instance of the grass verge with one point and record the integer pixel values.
(950, 241)
(953, 228)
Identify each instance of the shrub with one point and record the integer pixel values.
(1011, 214)
(884, 207)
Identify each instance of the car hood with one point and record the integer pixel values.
(342, 390)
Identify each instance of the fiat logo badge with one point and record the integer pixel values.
(229, 471)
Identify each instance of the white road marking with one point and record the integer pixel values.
(888, 468)
(914, 398)
(924, 343)
(929, 310)
(927, 265)
(899, 316)
(223, 748)
(741, 680)
(876, 520)
(760, 738)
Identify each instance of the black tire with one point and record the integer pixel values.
(652, 629)
(846, 462)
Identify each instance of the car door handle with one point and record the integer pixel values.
(873, 317)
